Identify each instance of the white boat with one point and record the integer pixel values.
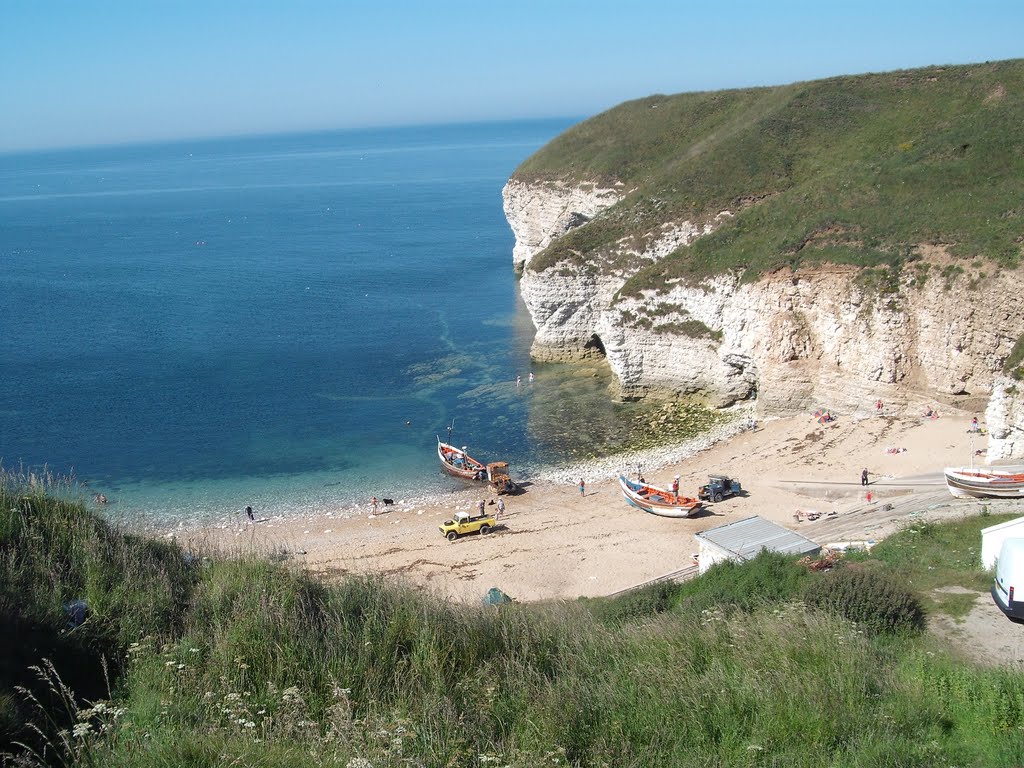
(983, 482)
(657, 501)
(456, 461)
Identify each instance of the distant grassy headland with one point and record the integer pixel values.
(884, 171)
(160, 657)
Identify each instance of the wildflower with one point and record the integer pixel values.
(81, 730)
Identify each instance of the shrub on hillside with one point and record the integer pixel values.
(767, 579)
(639, 604)
(871, 598)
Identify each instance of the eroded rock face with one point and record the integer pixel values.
(538, 213)
(816, 338)
(1005, 420)
(797, 341)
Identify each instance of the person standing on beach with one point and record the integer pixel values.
(501, 508)
(864, 477)
(480, 508)
(675, 485)
(248, 511)
(583, 488)
(373, 505)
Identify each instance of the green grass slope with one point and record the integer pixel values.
(852, 170)
(224, 662)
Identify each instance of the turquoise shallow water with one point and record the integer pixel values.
(286, 322)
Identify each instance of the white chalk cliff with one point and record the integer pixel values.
(1005, 419)
(795, 340)
(551, 210)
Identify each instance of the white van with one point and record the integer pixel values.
(1008, 586)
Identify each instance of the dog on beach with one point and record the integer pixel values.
(388, 502)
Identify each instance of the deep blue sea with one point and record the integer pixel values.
(287, 322)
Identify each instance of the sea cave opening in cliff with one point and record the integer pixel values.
(594, 346)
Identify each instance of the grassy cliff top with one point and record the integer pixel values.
(858, 170)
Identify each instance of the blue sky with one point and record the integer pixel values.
(80, 73)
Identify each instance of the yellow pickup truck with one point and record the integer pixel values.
(463, 523)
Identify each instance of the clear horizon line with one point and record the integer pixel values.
(8, 152)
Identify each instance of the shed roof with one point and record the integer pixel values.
(745, 538)
(1008, 524)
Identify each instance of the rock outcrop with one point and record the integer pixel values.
(795, 340)
(538, 213)
(1005, 420)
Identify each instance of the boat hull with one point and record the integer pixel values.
(965, 482)
(658, 501)
(458, 463)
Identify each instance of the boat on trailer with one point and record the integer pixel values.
(455, 461)
(657, 501)
(984, 482)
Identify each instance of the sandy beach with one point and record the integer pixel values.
(553, 543)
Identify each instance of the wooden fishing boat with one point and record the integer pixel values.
(982, 482)
(658, 501)
(455, 461)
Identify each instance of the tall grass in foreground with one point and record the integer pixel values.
(404, 682)
(54, 555)
(259, 664)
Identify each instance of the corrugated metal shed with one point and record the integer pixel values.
(743, 539)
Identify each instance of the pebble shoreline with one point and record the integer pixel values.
(652, 460)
